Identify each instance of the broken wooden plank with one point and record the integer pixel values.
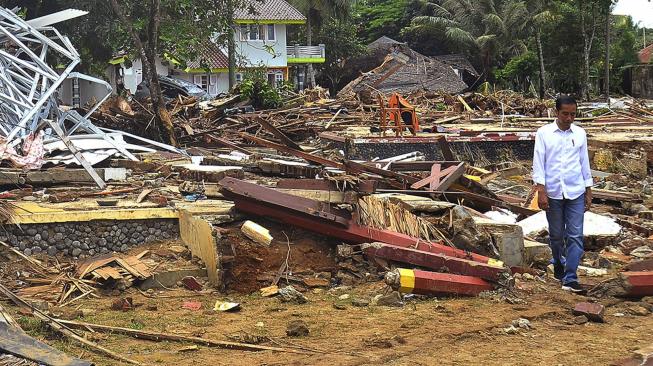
(285, 149)
(433, 178)
(278, 134)
(157, 337)
(453, 176)
(61, 328)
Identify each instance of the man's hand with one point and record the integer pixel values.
(588, 199)
(542, 198)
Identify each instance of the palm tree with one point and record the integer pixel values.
(494, 28)
(315, 12)
(540, 14)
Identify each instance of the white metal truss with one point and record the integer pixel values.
(28, 83)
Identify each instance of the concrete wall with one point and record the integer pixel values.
(257, 52)
(134, 75)
(87, 90)
(219, 81)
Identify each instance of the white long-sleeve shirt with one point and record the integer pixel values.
(561, 161)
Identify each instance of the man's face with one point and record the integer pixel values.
(566, 114)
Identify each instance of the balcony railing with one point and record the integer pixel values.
(305, 54)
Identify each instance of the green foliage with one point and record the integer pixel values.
(256, 88)
(518, 70)
(384, 18)
(341, 43)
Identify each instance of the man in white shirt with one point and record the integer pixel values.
(563, 180)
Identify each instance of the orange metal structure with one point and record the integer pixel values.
(399, 112)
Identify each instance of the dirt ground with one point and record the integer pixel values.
(445, 331)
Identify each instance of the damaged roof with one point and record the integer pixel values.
(209, 56)
(457, 61)
(406, 71)
(645, 54)
(268, 10)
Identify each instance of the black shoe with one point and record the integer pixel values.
(573, 287)
(558, 272)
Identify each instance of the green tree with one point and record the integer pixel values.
(342, 43)
(317, 11)
(379, 18)
(494, 29)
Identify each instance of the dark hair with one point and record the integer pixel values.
(565, 99)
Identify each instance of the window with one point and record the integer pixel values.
(252, 32)
(239, 77)
(279, 79)
(271, 79)
(205, 82)
(271, 36)
(244, 30)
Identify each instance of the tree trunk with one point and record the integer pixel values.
(607, 55)
(540, 58)
(231, 44)
(148, 59)
(310, 77)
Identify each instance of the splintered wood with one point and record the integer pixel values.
(197, 234)
(381, 213)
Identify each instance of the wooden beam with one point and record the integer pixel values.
(278, 134)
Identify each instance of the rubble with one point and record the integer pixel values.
(315, 196)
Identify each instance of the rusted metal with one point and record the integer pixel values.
(435, 261)
(434, 283)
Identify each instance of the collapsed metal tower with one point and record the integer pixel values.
(28, 85)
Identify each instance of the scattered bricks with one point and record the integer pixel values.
(434, 261)
(434, 283)
(639, 266)
(593, 311)
(616, 257)
(191, 283)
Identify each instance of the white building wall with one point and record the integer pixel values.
(268, 53)
(134, 75)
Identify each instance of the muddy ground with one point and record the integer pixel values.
(444, 331)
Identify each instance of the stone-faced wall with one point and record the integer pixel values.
(83, 239)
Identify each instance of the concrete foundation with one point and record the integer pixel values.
(83, 239)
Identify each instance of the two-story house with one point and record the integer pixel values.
(260, 39)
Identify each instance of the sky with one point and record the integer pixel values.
(640, 10)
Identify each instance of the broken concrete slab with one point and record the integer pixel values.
(170, 278)
(536, 252)
(508, 238)
(593, 225)
(626, 284)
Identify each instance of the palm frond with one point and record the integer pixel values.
(484, 40)
(459, 36)
(494, 23)
(437, 21)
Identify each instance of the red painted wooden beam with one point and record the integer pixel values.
(321, 218)
(638, 283)
(435, 283)
(435, 261)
